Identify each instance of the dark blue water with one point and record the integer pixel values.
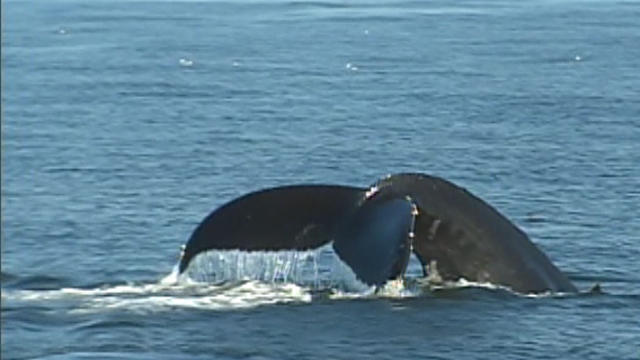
(125, 122)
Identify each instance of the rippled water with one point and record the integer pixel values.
(125, 122)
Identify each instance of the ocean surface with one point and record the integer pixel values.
(124, 123)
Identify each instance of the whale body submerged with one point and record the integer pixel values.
(454, 234)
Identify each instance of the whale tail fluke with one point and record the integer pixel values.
(374, 231)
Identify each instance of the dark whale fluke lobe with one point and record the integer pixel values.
(467, 238)
(453, 233)
(298, 217)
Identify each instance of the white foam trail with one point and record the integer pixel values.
(235, 279)
(173, 292)
(218, 280)
(464, 283)
(244, 282)
(247, 295)
(158, 297)
(435, 283)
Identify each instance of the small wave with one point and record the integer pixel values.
(33, 282)
(72, 169)
(318, 4)
(611, 277)
(7, 277)
(116, 356)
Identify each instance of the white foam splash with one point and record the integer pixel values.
(185, 62)
(352, 67)
(394, 289)
(397, 289)
(173, 277)
(270, 267)
(316, 269)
